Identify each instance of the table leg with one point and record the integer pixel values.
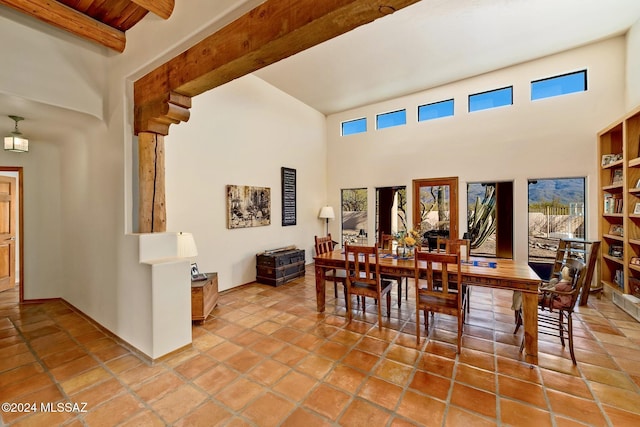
(530, 315)
(320, 291)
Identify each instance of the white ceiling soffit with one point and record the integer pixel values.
(435, 42)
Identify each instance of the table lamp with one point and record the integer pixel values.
(327, 213)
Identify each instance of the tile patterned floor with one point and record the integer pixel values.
(267, 358)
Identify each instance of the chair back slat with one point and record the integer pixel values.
(359, 263)
(323, 244)
(445, 283)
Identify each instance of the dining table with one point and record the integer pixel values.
(497, 273)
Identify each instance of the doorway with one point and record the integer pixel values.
(391, 211)
(11, 230)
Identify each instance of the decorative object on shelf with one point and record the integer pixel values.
(15, 141)
(608, 159)
(634, 287)
(636, 209)
(616, 251)
(616, 230)
(196, 276)
(618, 279)
(326, 213)
(248, 206)
(288, 183)
(617, 177)
(634, 260)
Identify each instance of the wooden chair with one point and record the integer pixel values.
(441, 296)
(324, 245)
(556, 305)
(463, 247)
(363, 278)
(386, 246)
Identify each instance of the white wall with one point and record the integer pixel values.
(548, 138)
(633, 67)
(242, 134)
(63, 71)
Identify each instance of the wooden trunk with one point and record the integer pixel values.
(278, 267)
(204, 297)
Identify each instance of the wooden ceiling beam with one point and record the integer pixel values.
(270, 32)
(162, 8)
(68, 19)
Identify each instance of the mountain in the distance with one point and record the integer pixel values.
(566, 190)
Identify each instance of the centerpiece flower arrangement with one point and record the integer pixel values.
(408, 240)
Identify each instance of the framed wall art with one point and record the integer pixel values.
(288, 182)
(248, 206)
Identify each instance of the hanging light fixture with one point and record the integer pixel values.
(15, 140)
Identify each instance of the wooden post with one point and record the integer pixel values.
(152, 209)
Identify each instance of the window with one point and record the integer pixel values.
(559, 85)
(556, 210)
(435, 110)
(354, 126)
(491, 99)
(394, 118)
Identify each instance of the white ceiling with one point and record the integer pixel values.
(434, 42)
(428, 44)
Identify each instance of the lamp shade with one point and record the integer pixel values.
(15, 140)
(186, 245)
(15, 143)
(326, 213)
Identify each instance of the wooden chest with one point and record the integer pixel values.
(204, 297)
(277, 267)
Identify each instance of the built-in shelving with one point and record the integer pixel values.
(619, 197)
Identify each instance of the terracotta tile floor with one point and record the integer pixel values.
(267, 358)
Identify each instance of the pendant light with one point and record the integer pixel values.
(15, 141)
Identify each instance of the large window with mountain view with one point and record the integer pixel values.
(556, 210)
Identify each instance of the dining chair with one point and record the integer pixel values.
(324, 245)
(363, 278)
(557, 301)
(462, 246)
(436, 276)
(386, 247)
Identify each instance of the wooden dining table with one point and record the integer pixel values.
(489, 272)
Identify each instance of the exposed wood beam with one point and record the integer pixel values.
(162, 8)
(152, 209)
(62, 16)
(272, 31)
